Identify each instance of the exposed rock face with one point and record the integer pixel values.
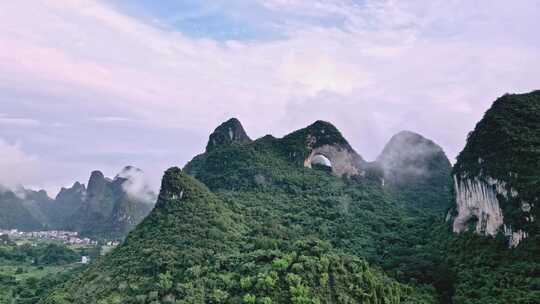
(477, 204)
(496, 175)
(324, 139)
(228, 132)
(342, 162)
(476, 200)
(321, 139)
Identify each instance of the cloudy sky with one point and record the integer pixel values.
(90, 84)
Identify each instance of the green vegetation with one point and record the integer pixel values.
(246, 222)
(416, 170)
(505, 145)
(38, 255)
(269, 230)
(28, 273)
(486, 271)
(107, 211)
(13, 215)
(194, 247)
(103, 211)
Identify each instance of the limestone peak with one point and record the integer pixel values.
(495, 174)
(410, 153)
(228, 132)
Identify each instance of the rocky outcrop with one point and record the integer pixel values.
(322, 139)
(496, 175)
(478, 207)
(227, 133)
(98, 194)
(342, 161)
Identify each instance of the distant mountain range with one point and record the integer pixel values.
(273, 220)
(304, 219)
(107, 208)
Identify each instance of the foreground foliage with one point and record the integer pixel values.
(194, 249)
(28, 273)
(261, 228)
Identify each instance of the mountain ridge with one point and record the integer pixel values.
(107, 208)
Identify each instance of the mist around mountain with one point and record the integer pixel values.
(305, 219)
(107, 208)
(110, 208)
(264, 221)
(417, 170)
(14, 215)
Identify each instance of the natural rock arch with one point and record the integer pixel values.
(320, 159)
(342, 161)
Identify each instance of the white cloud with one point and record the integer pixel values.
(16, 166)
(110, 119)
(137, 185)
(19, 122)
(373, 68)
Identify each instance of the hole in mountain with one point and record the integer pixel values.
(321, 162)
(471, 223)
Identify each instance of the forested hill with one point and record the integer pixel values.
(273, 226)
(496, 256)
(305, 219)
(502, 159)
(417, 170)
(198, 247)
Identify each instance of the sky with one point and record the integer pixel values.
(96, 84)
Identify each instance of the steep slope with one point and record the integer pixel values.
(274, 229)
(418, 170)
(187, 227)
(38, 203)
(66, 203)
(497, 175)
(286, 200)
(227, 133)
(52, 213)
(109, 208)
(322, 142)
(13, 213)
(271, 180)
(255, 159)
(193, 249)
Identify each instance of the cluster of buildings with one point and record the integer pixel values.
(66, 237)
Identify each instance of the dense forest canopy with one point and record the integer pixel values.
(259, 221)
